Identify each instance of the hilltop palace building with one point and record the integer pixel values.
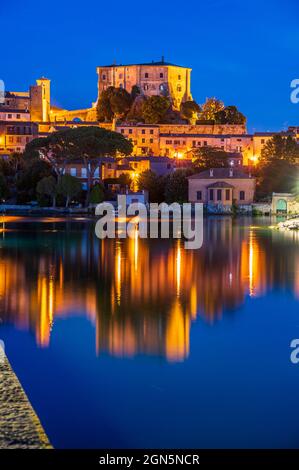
(153, 78)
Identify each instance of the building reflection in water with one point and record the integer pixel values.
(141, 295)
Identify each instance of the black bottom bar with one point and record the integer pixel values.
(137, 458)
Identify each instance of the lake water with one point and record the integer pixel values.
(141, 343)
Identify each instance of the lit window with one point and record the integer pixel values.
(73, 172)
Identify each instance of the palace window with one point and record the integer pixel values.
(179, 88)
(130, 131)
(146, 75)
(219, 194)
(161, 75)
(168, 142)
(242, 195)
(227, 194)
(143, 131)
(122, 131)
(199, 195)
(18, 116)
(9, 116)
(179, 77)
(143, 141)
(103, 77)
(151, 141)
(151, 131)
(205, 143)
(211, 194)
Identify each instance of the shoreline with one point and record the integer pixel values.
(20, 427)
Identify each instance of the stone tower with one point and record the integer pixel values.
(40, 100)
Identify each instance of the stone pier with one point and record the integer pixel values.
(20, 427)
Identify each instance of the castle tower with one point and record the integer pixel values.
(40, 100)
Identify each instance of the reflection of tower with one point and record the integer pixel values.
(40, 100)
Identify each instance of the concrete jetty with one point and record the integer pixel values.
(20, 427)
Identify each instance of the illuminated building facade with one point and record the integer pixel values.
(221, 186)
(153, 78)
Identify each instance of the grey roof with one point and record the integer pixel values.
(160, 63)
(219, 173)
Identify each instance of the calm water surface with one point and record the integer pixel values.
(139, 343)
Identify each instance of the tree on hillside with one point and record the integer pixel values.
(4, 191)
(155, 109)
(210, 157)
(120, 101)
(104, 111)
(190, 110)
(90, 144)
(176, 187)
(32, 172)
(154, 184)
(68, 186)
(230, 115)
(279, 176)
(48, 187)
(210, 108)
(136, 110)
(56, 149)
(135, 92)
(279, 148)
(113, 103)
(97, 194)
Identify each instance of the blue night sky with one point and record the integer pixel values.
(245, 53)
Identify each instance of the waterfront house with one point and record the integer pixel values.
(222, 187)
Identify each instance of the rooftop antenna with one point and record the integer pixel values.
(162, 59)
